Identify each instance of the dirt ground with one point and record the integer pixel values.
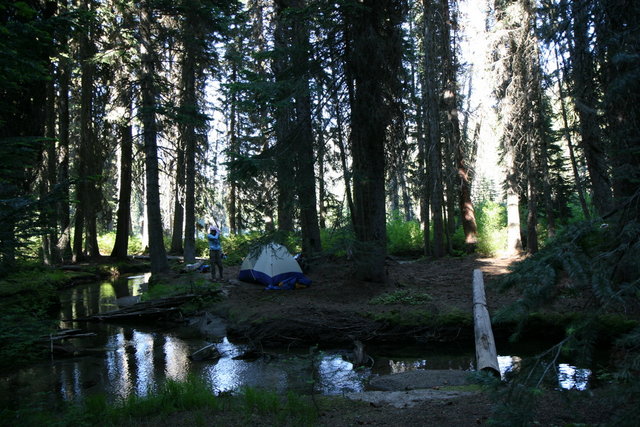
(336, 309)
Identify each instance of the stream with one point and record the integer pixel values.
(126, 359)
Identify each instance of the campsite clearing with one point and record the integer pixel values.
(423, 300)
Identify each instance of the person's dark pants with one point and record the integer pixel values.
(215, 259)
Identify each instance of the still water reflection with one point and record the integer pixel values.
(569, 377)
(126, 360)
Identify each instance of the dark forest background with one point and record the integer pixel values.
(150, 120)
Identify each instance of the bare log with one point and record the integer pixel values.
(147, 313)
(486, 355)
(148, 309)
(208, 352)
(67, 333)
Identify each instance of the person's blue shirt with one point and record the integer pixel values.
(214, 241)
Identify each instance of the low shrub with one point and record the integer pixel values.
(337, 242)
(404, 237)
(401, 297)
(106, 242)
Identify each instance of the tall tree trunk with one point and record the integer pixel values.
(125, 133)
(89, 153)
(305, 164)
(373, 64)
(285, 170)
(393, 190)
(64, 214)
(522, 114)
(532, 199)
(514, 240)
(49, 175)
(178, 205)
(543, 160)
(189, 109)
(83, 187)
(621, 37)
(546, 188)
(340, 141)
(467, 214)
(157, 253)
(233, 208)
(423, 183)
(585, 99)
(322, 188)
(567, 136)
(406, 198)
(432, 116)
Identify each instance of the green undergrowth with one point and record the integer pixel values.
(605, 327)
(26, 299)
(402, 296)
(181, 403)
(106, 242)
(38, 279)
(423, 318)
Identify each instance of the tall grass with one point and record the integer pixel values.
(191, 400)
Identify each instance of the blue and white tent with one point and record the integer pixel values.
(273, 266)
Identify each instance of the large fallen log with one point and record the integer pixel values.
(147, 309)
(486, 355)
(67, 333)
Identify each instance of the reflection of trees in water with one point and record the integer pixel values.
(336, 375)
(509, 365)
(570, 377)
(404, 366)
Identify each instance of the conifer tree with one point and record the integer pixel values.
(373, 60)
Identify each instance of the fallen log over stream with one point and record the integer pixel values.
(143, 310)
(486, 355)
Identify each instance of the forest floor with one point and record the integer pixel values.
(419, 299)
(423, 301)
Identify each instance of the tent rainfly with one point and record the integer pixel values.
(273, 266)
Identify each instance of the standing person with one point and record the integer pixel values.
(215, 251)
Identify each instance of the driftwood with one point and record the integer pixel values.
(209, 352)
(143, 310)
(169, 257)
(68, 333)
(486, 355)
